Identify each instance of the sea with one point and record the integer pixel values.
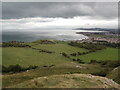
(33, 35)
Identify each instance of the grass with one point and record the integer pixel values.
(26, 57)
(67, 81)
(105, 54)
(0, 56)
(114, 75)
(66, 68)
(105, 36)
(58, 48)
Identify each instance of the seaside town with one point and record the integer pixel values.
(94, 37)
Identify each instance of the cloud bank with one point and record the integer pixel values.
(41, 23)
(106, 10)
(58, 15)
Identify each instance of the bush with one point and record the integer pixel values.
(52, 65)
(74, 59)
(102, 73)
(93, 61)
(16, 68)
(45, 66)
(65, 55)
(90, 46)
(15, 44)
(113, 64)
(80, 61)
(73, 54)
(110, 63)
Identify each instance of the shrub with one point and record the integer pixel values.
(90, 46)
(93, 61)
(74, 59)
(102, 73)
(16, 68)
(113, 64)
(65, 55)
(51, 65)
(45, 66)
(73, 54)
(110, 63)
(80, 61)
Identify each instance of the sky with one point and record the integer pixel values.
(59, 15)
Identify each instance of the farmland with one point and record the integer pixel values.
(58, 48)
(66, 68)
(26, 57)
(49, 58)
(105, 54)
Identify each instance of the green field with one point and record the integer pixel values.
(67, 68)
(105, 54)
(27, 57)
(67, 81)
(58, 48)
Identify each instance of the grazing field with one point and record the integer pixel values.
(105, 54)
(27, 56)
(53, 63)
(66, 68)
(68, 81)
(114, 74)
(58, 48)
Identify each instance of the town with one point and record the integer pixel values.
(94, 37)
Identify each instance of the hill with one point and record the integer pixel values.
(114, 75)
(69, 81)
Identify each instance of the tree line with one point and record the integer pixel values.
(91, 46)
(16, 68)
(15, 44)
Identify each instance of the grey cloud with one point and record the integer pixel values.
(49, 9)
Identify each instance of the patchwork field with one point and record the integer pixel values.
(58, 48)
(27, 56)
(54, 63)
(105, 54)
(66, 68)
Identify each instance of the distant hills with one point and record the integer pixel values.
(115, 31)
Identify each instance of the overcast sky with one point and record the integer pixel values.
(31, 15)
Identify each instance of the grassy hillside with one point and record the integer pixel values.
(54, 63)
(66, 68)
(115, 74)
(58, 48)
(68, 81)
(28, 56)
(105, 54)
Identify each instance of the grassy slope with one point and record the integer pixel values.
(67, 68)
(106, 54)
(115, 75)
(58, 48)
(0, 55)
(68, 81)
(27, 56)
